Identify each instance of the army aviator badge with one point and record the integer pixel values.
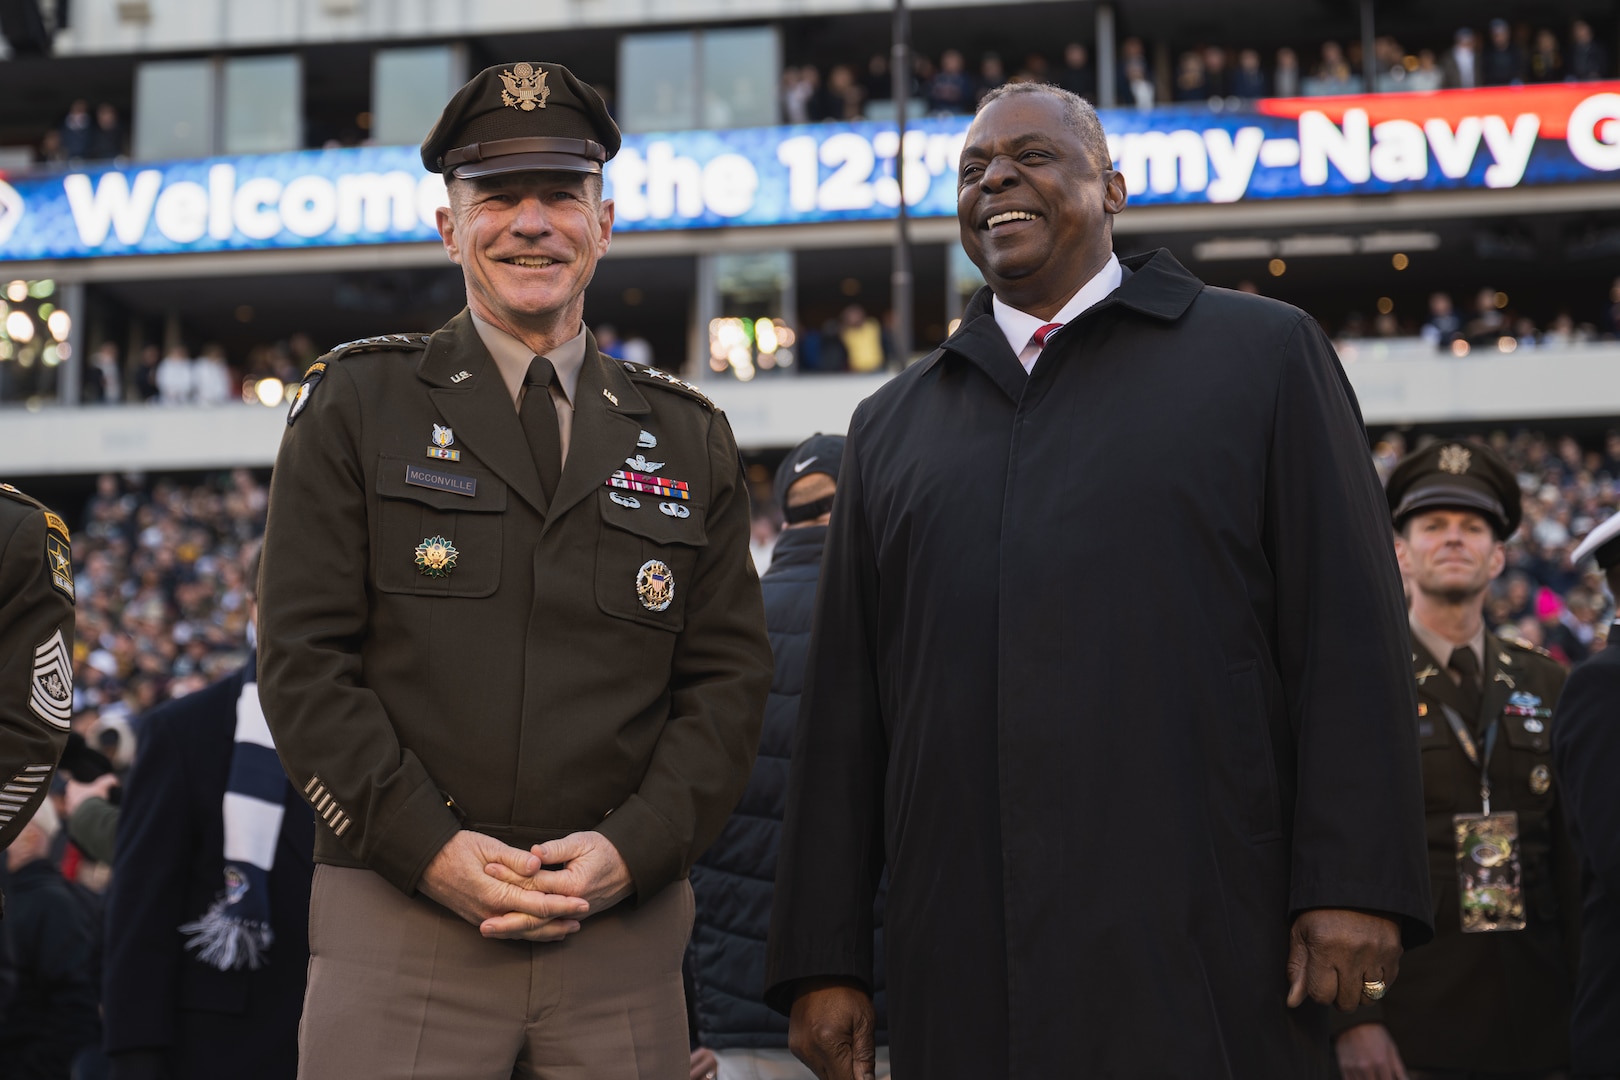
(436, 557)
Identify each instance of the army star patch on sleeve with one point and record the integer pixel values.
(59, 555)
(51, 695)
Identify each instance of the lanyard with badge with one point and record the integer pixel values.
(1489, 883)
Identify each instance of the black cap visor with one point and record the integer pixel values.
(511, 163)
(525, 155)
(1453, 496)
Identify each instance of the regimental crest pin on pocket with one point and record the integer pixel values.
(436, 557)
(655, 585)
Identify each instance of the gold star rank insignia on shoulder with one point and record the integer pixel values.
(655, 584)
(436, 557)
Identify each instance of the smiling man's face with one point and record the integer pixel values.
(527, 244)
(1034, 202)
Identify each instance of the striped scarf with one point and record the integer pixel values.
(235, 932)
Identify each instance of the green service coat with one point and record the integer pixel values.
(531, 691)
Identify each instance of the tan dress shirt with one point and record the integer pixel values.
(512, 358)
(1441, 649)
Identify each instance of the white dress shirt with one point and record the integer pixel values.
(1020, 326)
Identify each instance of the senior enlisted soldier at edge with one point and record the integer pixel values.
(1122, 854)
(513, 645)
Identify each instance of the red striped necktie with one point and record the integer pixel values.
(1045, 332)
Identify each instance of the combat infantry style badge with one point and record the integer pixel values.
(1454, 459)
(655, 585)
(526, 88)
(436, 557)
(442, 438)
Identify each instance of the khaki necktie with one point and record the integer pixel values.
(1465, 663)
(539, 418)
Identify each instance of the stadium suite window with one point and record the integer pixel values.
(174, 109)
(264, 107)
(409, 88)
(687, 80)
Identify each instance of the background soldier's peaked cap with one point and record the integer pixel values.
(521, 117)
(1456, 474)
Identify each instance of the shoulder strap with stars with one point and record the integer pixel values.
(653, 377)
(317, 371)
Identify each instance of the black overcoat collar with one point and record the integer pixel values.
(467, 388)
(1153, 284)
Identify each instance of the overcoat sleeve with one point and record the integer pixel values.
(1342, 652)
(147, 901)
(33, 612)
(719, 678)
(1586, 753)
(333, 735)
(832, 850)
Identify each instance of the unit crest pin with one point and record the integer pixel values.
(436, 557)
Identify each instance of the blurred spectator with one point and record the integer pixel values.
(1502, 63)
(1217, 80)
(607, 341)
(1613, 314)
(1285, 78)
(841, 99)
(107, 138)
(1191, 84)
(799, 85)
(991, 75)
(144, 381)
(1248, 81)
(1334, 75)
(50, 927)
(862, 337)
(176, 381)
(1587, 59)
(50, 148)
(1487, 323)
(879, 83)
(1139, 87)
(951, 90)
(1461, 68)
(1546, 63)
(1077, 75)
(211, 382)
(1035, 69)
(1427, 76)
(103, 377)
(638, 350)
(78, 128)
(1442, 325)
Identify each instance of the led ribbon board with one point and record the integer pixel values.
(1278, 148)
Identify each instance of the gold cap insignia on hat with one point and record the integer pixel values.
(526, 88)
(1454, 459)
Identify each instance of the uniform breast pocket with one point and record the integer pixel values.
(437, 540)
(1530, 739)
(646, 557)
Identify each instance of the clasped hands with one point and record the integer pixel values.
(1331, 954)
(507, 893)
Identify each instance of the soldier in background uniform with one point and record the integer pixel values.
(513, 646)
(1490, 996)
(1586, 756)
(36, 654)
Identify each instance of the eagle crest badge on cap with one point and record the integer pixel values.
(526, 88)
(1455, 459)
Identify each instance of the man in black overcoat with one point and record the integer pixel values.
(1586, 754)
(168, 1013)
(1109, 669)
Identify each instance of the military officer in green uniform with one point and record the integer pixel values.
(36, 654)
(513, 648)
(1490, 996)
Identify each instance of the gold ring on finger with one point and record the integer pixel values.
(1374, 989)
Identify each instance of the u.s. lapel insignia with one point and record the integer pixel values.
(1504, 677)
(629, 501)
(610, 395)
(442, 438)
(436, 557)
(655, 585)
(51, 696)
(526, 88)
(641, 464)
(646, 440)
(674, 509)
(59, 555)
(458, 376)
(1540, 780)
